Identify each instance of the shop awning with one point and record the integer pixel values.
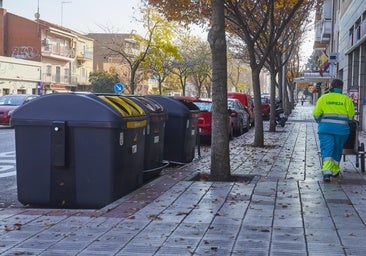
(313, 78)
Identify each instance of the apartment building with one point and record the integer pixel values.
(66, 56)
(350, 43)
(341, 33)
(109, 49)
(19, 76)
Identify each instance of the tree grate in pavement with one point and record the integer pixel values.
(301, 121)
(233, 178)
(339, 201)
(353, 181)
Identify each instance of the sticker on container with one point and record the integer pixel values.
(193, 132)
(187, 123)
(156, 139)
(121, 139)
(134, 149)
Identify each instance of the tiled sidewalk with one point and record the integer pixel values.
(285, 210)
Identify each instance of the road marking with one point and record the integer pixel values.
(7, 161)
(8, 174)
(7, 170)
(8, 154)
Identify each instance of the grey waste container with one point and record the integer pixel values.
(180, 129)
(154, 138)
(78, 150)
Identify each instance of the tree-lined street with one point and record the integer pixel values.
(285, 209)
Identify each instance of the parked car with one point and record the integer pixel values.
(8, 103)
(246, 101)
(205, 119)
(266, 108)
(240, 116)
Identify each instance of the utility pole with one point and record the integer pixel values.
(62, 9)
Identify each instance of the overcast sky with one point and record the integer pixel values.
(93, 16)
(84, 16)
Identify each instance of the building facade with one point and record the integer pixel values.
(19, 76)
(340, 51)
(350, 44)
(66, 56)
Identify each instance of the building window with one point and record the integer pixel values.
(363, 26)
(6, 91)
(58, 74)
(49, 70)
(58, 46)
(83, 75)
(358, 30)
(67, 75)
(73, 68)
(350, 39)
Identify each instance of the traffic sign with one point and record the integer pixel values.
(118, 87)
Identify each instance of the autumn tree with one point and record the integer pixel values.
(133, 50)
(102, 81)
(277, 59)
(158, 63)
(187, 11)
(260, 24)
(202, 65)
(283, 50)
(182, 68)
(220, 160)
(239, 79)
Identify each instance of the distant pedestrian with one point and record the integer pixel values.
(333, 112)
(302, 100)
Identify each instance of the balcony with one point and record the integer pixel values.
(47, 78)
(318, 31)
(326, 30)
(84, 56)
(57, 52)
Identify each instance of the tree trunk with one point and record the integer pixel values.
(287, 105)
(272, 120)
(280, 86)
(220, 160)
(160, 86)
(258, 122)
(132, 81)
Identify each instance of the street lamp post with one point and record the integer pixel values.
(62, 9)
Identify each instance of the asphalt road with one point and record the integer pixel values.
(8, 188)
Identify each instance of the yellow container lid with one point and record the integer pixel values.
(125, 106)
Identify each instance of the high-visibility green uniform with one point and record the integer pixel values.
(333, 111)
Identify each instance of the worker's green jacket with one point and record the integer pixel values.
(333, 111)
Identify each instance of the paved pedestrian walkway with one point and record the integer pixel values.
(286, 209)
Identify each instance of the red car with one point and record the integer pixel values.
(266, 108)
(8, 103)
(246, 101)
(205, 119)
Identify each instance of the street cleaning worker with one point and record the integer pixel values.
(333, 112)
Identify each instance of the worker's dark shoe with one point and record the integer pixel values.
(335, 174)
(326, 177)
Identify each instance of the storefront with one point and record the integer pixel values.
(19, 76)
